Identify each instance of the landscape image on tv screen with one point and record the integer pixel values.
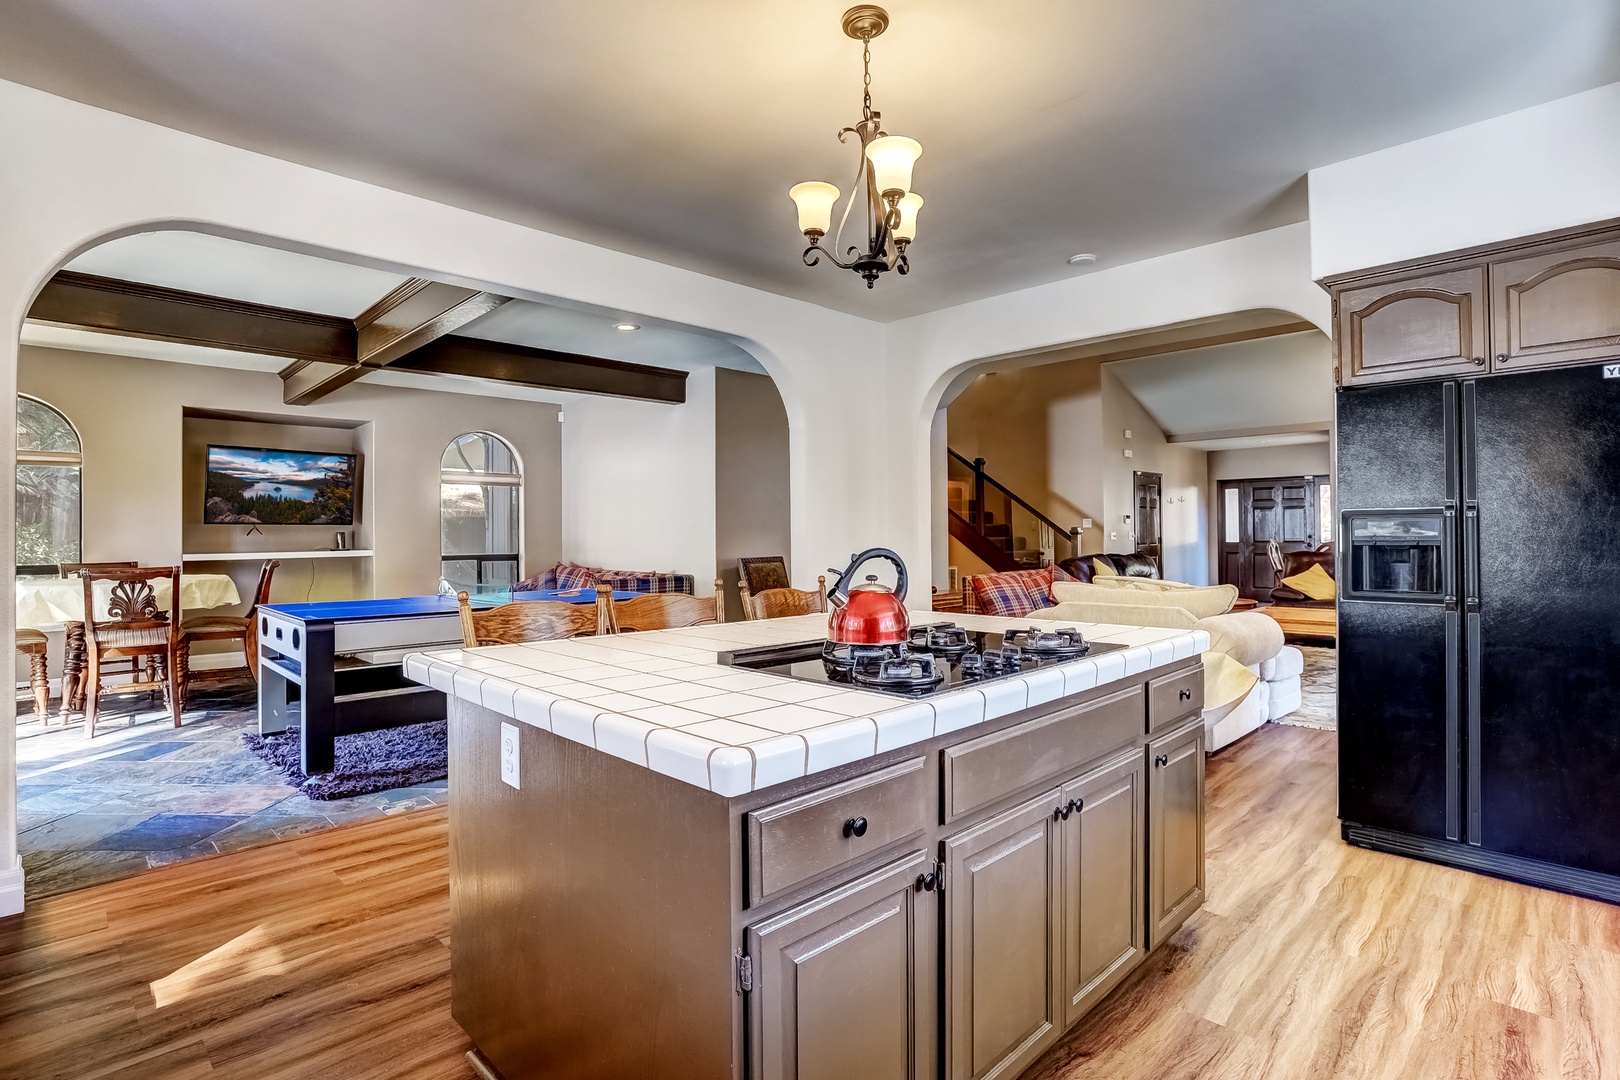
(248, 486)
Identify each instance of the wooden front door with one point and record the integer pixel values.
(1287, 509)
(1149, 528)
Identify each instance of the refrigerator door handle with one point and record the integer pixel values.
(1471, 601)
(1453, 623)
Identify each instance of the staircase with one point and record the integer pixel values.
(996, 525)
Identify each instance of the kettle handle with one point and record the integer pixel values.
(841, 590)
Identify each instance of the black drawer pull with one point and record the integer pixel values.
(855, 826)
(1186, 695)
(926, 882)
(1162, 760)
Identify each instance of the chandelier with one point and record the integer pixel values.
(884, 174)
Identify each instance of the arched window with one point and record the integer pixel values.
(480, 503)
(49, 492)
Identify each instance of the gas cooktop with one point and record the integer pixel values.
(939, 657)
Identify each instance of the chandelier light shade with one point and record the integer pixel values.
(891, 158)
(815, 202)
(882, 181)
(906, 231)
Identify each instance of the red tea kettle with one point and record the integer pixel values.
(869, 613)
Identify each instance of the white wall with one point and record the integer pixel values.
(752, 511)
(1550, 167)
(76, 175)
(638, 483)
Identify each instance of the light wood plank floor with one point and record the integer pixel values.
(326, 956)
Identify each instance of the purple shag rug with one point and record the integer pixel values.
(366, 763)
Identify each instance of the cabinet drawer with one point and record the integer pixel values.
(978, 773)
(1173, 697)
(803, 838)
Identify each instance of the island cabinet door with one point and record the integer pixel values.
(846, 985)
(1103, 847)
(1558, 303)
(1002, 918)
(1414, 326)
(1175, 830)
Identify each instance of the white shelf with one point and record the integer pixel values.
(257, 556)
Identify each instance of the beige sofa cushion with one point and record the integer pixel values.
(1201, 601)
(1246, 636)
(1161, 615)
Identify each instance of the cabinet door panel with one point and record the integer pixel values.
(1002, 919)
(845, 984)
(1102, 882)
(1558, 305)
(1175, 830)
(1412, 327)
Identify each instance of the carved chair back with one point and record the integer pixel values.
(758, 573)
(261, 593)
(525, 620)
(71, 569)
(135, 619)
(781, 603)
(664, 611)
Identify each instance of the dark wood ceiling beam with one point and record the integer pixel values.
(546, 369)
(419, 311)
(131, 309)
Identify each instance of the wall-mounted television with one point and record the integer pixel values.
(257, 486)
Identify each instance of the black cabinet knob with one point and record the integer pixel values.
(1186, 695)
(926, 882)
(1062, 813)
(1162, 760)
(855, 826)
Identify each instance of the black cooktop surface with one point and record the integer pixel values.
(940, 657)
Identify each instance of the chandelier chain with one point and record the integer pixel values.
(866, 64)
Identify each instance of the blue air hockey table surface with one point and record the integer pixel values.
(343, 656)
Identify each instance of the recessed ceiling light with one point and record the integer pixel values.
(1083, 259)
(626, 326)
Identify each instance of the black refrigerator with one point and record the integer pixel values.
(1479, 623)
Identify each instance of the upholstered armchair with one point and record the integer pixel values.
(1298, 563)
(1135, 564)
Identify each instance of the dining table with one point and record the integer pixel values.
(51, 602)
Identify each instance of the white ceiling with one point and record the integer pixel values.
(1267, 392)
(673, 130)
(218, 266)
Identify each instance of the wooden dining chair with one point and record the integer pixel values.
(525, 620)
(32, 644)
(665, 611)
(73, 642)
(239, 628)
(760, 573)
(134, 629)
(781, 603)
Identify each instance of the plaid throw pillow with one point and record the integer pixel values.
(546, 581)
(572, 576)
(647, 581)
(1014, 594)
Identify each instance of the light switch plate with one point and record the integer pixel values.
(1085, 523)
(1130, 453)
(509, 755)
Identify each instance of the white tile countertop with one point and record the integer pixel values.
(659, 699)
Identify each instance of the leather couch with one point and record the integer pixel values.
(1297, 562)
(1135, 564)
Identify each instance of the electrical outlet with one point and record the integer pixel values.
(509, 755)
(1113, 536)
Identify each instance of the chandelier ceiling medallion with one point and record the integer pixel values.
(884, 176)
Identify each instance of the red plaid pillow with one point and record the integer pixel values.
(572, 576)
(1014, 594)
(546, 581)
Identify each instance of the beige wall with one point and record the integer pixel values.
(1259, 462)
(1183, 487)
(138, 502)
(1054, 434)
(751, 514)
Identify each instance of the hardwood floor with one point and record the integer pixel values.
(325, 956)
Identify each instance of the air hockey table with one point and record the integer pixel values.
(344, 659)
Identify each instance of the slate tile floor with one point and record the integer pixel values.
(143, 793)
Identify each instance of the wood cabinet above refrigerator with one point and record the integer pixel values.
(1547, 302)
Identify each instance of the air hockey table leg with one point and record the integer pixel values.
(317, 701)
(273, 718)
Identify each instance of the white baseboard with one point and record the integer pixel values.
(11, 891)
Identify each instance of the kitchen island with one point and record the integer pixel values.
(665, 865)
